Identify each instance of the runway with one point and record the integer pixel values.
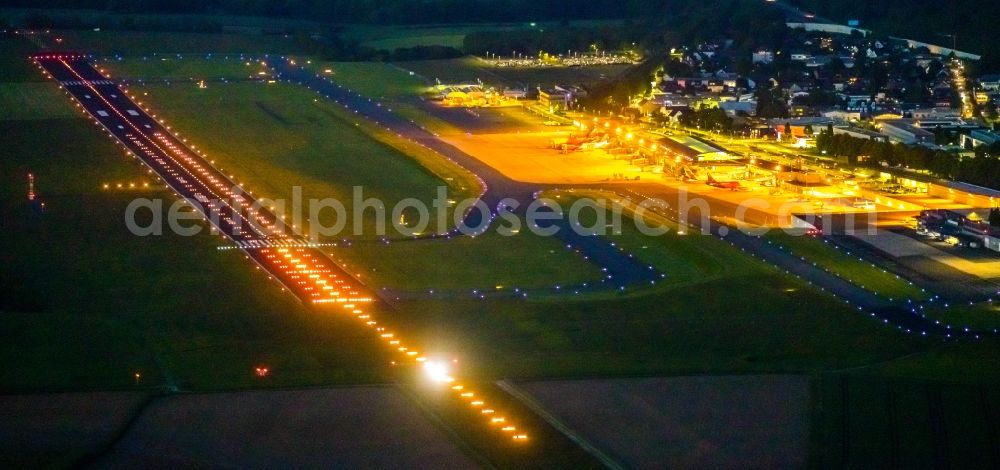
(284, 255)
(307, 272)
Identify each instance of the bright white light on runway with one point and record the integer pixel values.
(437, 372)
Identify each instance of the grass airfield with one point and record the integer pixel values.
(186, 315)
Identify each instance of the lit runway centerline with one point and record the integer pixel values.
(302, 269)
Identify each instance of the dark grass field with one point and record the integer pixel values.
(841, 420)
(838, 261)
(375, 79)
(905, 423)
(139, 43)
(982, 315)
(59, 429)
(186, 67)
(17, 68)
(279, 136)
(451, 35)
(86, 305)
(683, 329)
(671, 330)
(459, 266)
(686, 422)
(33, 100)
(357, 427)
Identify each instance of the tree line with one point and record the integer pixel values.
(368, 11)
(982, 170)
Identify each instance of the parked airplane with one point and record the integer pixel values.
(731, 184)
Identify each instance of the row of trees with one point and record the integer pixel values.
(125, 23)
(330, 45)
(713, 119)
(554, 40)
(994, 218)
(663, 25)
(983, 170)
(615, 94)
(368, 11)
(770, 102)
(697, 21)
